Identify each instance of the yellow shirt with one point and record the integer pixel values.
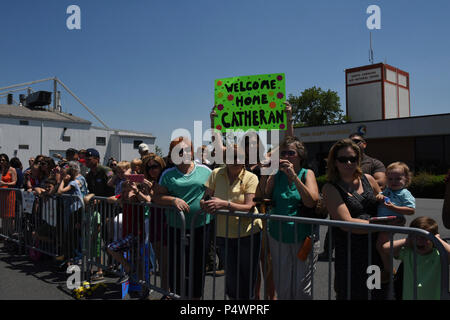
(246, 182)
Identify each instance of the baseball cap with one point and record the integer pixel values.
(143, 147)
(92, 153)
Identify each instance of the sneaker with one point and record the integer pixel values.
(97, 277)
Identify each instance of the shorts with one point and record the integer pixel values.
(124, 244)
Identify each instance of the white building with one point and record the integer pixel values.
(26, 132)
(378, 104)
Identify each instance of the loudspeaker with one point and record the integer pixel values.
(39, 99)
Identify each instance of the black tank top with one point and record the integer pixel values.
(360, 206)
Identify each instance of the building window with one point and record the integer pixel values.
(66, 138)
(136, 143)
(101, 141)
(23, 146)
(24, 122)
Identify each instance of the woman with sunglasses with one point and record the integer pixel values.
(291, 275)
(182, 187)
(350, 196)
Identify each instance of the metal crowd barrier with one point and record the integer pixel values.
(47, 224)
(371, 229)
(10, 212)
(165, 254)
(156, 256)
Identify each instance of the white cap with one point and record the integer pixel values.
(143, 147)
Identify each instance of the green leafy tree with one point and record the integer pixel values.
(158, 151)
(316, 107)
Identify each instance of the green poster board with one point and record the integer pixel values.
(250, 102)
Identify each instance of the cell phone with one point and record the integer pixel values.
(138, 178)
(382, 219)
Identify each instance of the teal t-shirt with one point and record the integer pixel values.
(428, 274)
(286, 199)
(189, 187)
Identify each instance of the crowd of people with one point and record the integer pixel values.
(358, 189)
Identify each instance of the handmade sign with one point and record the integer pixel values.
(250, 102)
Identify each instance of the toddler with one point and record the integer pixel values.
(397, 201)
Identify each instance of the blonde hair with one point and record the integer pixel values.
(136, 163)
(404, 167)
(332, 172)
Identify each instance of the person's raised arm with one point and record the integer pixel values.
(289, 120)
(215, 134)
(63, 189)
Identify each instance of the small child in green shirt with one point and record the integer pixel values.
(428, 261)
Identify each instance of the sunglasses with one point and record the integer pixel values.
(347, 159)
(357, 141)
(288, 153)
(155, 166)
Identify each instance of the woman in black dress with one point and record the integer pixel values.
(350, 196)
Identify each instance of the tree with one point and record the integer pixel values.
(315, 107)
(158, 151)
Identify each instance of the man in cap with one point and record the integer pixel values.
(97, 180)
(370, 165)
(98, 175)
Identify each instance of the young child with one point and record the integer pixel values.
(118, 178)
(132, 226)
(32, 177)
(427, 258)
(72, 206)
(136, 166)
(397, 201)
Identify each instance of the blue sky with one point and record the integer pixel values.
(150, 66)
